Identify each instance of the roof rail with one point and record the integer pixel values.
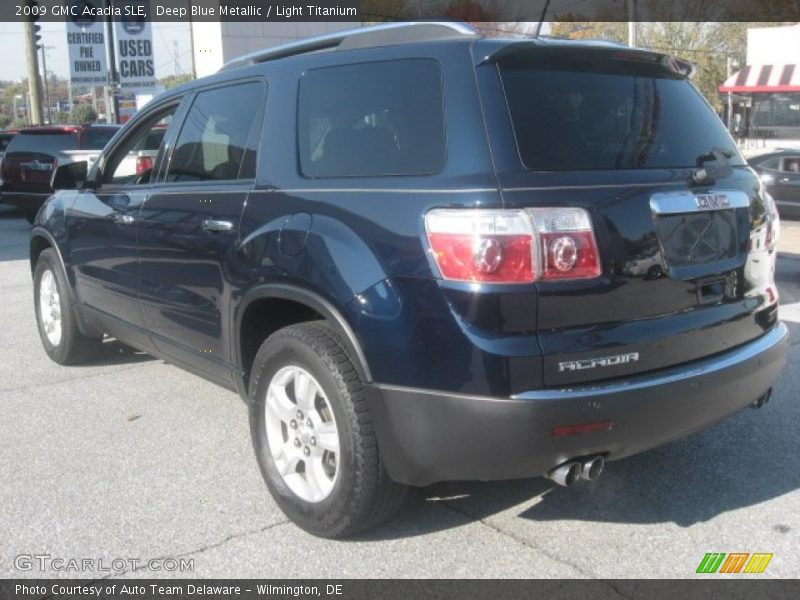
(361, 37)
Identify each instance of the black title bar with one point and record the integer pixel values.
(358, 11)
(372, 589)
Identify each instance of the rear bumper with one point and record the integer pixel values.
(428, 436)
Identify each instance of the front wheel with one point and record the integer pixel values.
(313, 435)
(55, 314)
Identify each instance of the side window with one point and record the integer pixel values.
(371, 119)
(213, 143)
(772, 163)
(791, 164)
(132, 162)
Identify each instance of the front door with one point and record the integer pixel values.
(188, 233)
(102, 227)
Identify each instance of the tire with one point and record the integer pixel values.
(360, 494)
(58, 329)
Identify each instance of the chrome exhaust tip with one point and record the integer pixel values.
(566, 475)
(592, 468)
(762, 401)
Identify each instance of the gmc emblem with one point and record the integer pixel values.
(710, 201)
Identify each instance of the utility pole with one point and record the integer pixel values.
(44, 50)
(632, 23)
(111, 90)
(731, 63)
(34, 87)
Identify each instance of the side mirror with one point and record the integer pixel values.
(70, 176)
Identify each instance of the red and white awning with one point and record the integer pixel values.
(759, 79)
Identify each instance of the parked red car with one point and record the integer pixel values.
(33, 154)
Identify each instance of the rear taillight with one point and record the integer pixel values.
(773, 221)
(513, 246)
(566, 243)
(143, 164)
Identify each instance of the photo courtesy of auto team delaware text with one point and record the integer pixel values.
(317, 299)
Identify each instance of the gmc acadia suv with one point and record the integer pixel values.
(420, 256)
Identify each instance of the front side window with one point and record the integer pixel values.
(573, 119)
(213, 143)
(372, 119)
(133, 161)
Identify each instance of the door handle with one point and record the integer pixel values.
(122, 219)
(216, 225)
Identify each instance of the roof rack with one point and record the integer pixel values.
(361, 37)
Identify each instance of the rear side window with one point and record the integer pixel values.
(42, 144)
(213, 142)
(573, 120)
(372, 119)
(97, 138)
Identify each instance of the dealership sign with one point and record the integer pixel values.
(86, 41)
(134, 48)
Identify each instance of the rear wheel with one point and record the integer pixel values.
(313, 435)
(55, 314)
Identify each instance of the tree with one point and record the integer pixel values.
(83, 113)
(596, 30)
(376, 11)
(60, 117)
(171, 81)
(707, 45)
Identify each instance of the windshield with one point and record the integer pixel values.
(568, 119)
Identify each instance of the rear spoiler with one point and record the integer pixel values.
(517, 49)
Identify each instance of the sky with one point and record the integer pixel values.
(12, 66)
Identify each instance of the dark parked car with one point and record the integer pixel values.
(780, 172)
(33, 154)
(6, 136)
(423, 256)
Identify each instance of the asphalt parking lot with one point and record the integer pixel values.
(132, 458)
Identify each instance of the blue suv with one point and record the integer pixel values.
(420, 256)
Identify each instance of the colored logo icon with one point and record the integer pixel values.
(734, 562)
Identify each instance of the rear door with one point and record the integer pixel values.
(686, 260)
(188, 235)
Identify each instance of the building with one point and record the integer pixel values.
(216, 43)
(765, 93)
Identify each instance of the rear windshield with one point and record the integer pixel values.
(574, 120)
(48, 144)
(96, 139)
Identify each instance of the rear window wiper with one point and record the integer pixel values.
(704, 175)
